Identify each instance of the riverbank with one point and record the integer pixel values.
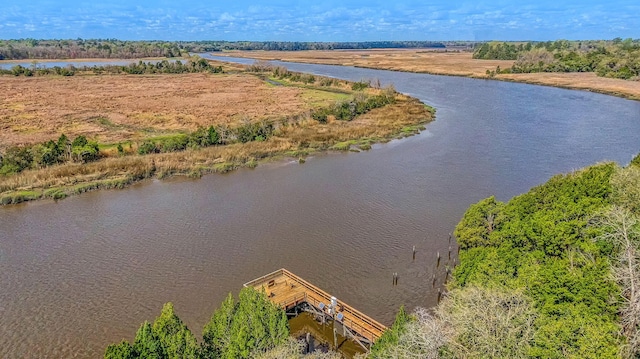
(447, 63)
(159, 108)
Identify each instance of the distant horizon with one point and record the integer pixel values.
(327, 21)
(294, 41)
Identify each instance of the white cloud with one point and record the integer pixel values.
(328, 21)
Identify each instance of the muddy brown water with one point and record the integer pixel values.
(321, 336)
(78, 274)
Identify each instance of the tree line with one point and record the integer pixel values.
(194, 65)
(238, 329)
(616, 59)
(79, 49)
(552, 273)
(117, 49)
(19, 158)
(251, 327)
(202, 46)
(16, 159)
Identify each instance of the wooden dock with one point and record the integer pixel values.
(289, 291)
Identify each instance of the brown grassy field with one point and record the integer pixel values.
(120, 107)
(448, 63)
(434, 62)
(580, 81)
(113, 108)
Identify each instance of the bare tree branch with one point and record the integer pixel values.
(621, 229)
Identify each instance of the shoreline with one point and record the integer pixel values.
(501, 77)
(62, 192)
(407, 117)
(571, 81)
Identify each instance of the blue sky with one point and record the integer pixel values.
(328, 20)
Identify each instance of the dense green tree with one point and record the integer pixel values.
(174, 143)
(167, 338)
(147, 344)
(237, 330)
(199, 138)
(496, 51)
(147, 147)
(390, 337)
(217, 334)
(79, 141)
(480, 220)
(214, 136)
(120, 351)
(174, 337)
(542, 244)
(87, 152)
(616, 59)
(111, 48)
(626, 191)
(63, 146)
(16, 159)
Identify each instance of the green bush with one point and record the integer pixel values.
(390, 337)
(16, 159)
(636, 160)
(259, 131)
(87, 152)
(360, 85)
(147, 147)
(348, 110)
(173, 144)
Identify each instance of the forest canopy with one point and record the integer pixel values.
(552, 273)
(111, 48)
(617, 58)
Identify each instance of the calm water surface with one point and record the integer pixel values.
(84, 272)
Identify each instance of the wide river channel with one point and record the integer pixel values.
(78, 274)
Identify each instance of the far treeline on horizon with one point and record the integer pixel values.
(617, 58)
(30, 48)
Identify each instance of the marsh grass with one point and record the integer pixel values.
(119, 108)
(297, 135)
(297, 141)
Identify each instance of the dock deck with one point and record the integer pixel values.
(287, 290)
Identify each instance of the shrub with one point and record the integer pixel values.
(173, 144)
(360, 85)
(147, 147)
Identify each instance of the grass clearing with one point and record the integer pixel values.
(319, 98)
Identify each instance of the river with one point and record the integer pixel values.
(78, 274)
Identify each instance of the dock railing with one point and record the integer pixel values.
(353, 319)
